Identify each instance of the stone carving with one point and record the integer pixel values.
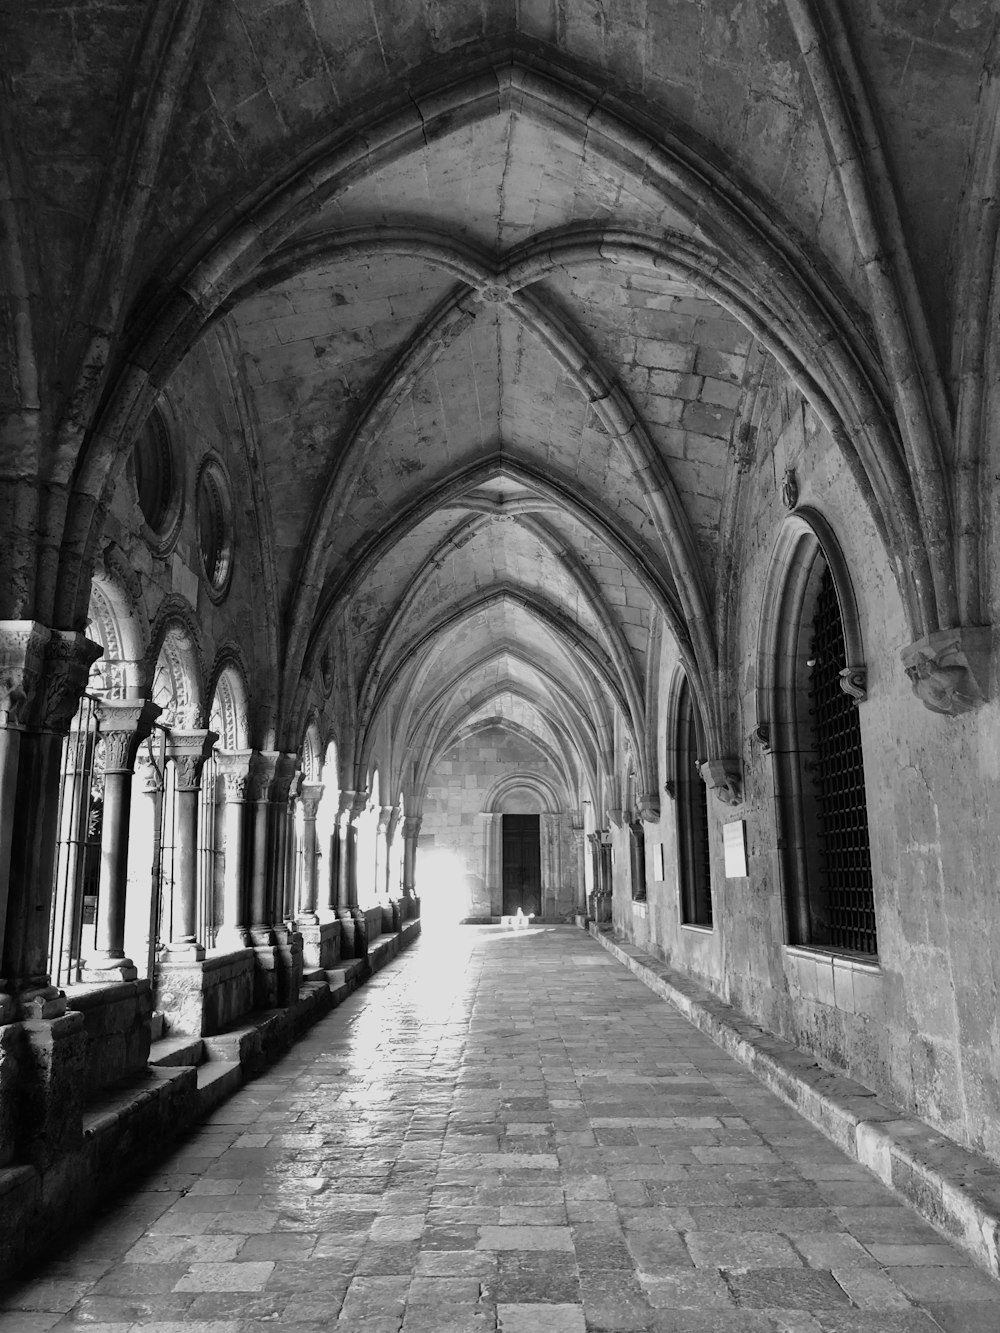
(283, 776)
(670, 787)
(22, 647)
(617, 818)
(261, 772)
(762, 735)
(411, 826)
(724, 778)
(68, 659)
(790, 489)
(496, 293)
(326, 671)
(124, 725)
(854, 681)
(188, 751)
(235, 766)
(649, 806)
(310, 795)
(360, 804)
(949, 670)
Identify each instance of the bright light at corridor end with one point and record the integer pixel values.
(442, 883)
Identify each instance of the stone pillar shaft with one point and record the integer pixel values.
(124, 725)
(188, 751)
(309, 798)
(235, 769)
(411, 832)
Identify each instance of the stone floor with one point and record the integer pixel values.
(507, 1131)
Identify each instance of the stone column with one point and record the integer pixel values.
(309, 798)
(494, 861)
(385, 815)
(235, 769)
(65, 668)
(279, 796)
(411, 832)
(346, 833)
(580, 850)
(124, 725)
(48, 1100)
(187, 751)
(262, 767)
(142, 898)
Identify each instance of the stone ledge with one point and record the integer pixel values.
(953, 1189)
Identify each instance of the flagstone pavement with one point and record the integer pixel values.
(506, 1131)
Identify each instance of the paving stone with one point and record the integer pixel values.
(322, 1188)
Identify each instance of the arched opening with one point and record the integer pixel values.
(691, 805)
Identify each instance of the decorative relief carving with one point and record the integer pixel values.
(235, 766)
(360, 804)
(310, 795)
(854, 681)
(790, 489)
(281, 781)
(262, 766)
(346, 807)
(66, 668)
(724, 778)
(617, 818)
(124, 725)
(949, 670)
(411, 826)
(496, 293)
(22, 648)
(762, 735)
(188, 751)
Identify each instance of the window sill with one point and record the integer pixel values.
(698, 930)
(851, 983)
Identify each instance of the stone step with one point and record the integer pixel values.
(177, 1051)
(217, 1080)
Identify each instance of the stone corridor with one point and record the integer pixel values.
(506, 1130)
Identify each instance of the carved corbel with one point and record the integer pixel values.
(724, 778)
(854, 681)
(670, 787)
(762, 735)
(649, 807)
(950, 669)
(65, 671)
(617, 818)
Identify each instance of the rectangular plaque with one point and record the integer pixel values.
(734, 845)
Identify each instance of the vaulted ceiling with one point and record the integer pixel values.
(498, 284)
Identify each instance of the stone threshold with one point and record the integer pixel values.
(955, 1190)
(130, 1126)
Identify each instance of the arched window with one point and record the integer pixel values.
(694, 873)
(812, 683)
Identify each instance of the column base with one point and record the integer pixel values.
(232, 937)
(321, 944)
(184, 951)
(202, 996)
(50, 1119)
(105, 969)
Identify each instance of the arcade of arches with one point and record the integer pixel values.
(495, 455)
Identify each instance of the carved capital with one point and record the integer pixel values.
(187, 751)
(345, 810)
(295, 787)
(385, 813)
(310, 795)
(262, 766)
(283, 775)
(649, 806)
(950, 669)
(65, 669)
(724, 779)
(854, 681)
(360, 804)
(124, 725)
(411, 826)
(22, 651)
(235, 765)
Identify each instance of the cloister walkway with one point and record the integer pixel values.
(507, 1130)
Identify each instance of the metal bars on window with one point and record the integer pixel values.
(844, 853)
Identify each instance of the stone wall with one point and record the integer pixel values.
(919, 1026)
(460, 820)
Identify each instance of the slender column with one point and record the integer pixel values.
(142, 898)
(187, 750)
(357, 810)
(235, 769)
(293, 849)
(124, 725)
(66, 665)
(393, 885)
(580, 850)
(310, 796)
(262, 768)
(385, 815)
(411, 832)
(22, 650)
(279, 795)
(345, 826)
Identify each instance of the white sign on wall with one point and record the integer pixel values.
(734, 845)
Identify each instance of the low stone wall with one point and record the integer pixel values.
(116, 1021)
(128, 1126)
(206, 996)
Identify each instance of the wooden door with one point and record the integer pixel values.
(522, 865)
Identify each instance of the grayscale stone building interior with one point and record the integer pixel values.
(462, 459)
